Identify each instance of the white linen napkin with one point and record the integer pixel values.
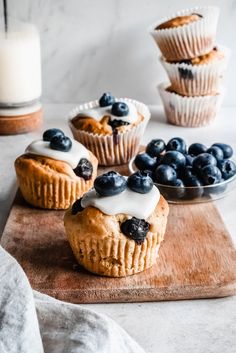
(31, 322)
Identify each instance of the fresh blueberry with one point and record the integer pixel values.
(174, 159)
(119, 109)
(227, 149)
(196, 148)
(106, 100)
(194, 188)
(187, 172)
(202, 160)
(117, 123)
(155, 147)
(164, 174)
(216, 189)
(174, 193)
(110, 183)
(227, 168)
(50, 133)
(143, 161)
(176, 144)
(77, 207)
(61, 143)
(84, 169)
(140, 182)
(192, 181)
(216, 152)
(211, 175)
(135, 229)
(189, 159)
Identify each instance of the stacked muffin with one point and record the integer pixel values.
(194, 64)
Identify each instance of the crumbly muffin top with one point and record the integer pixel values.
(179, 21)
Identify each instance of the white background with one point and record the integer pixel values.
(91, 46)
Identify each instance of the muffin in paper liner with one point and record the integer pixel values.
(51, 184)
(189, 111)
(190, 40)
(197, 80)
(111, 149)
(101, 248)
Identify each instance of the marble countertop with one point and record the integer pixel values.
(198, 326)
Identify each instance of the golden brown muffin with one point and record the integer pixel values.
(208, 58)
(114, 139)
(179, 21)
(49, 183)
(101, 127)
(99, 245)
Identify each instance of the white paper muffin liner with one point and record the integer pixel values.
(190, 40)
(110, 149)
(197, 80)
(189, 111)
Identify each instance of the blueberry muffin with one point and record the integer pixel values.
(194, 111)
(109, 233)
(55, 171)
(187, 34)
(111, 128)
(198, 76)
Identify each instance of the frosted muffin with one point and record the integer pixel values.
(55, 171)
(109, 233)
(186, 34)
(199, 76)
(111, 128)
(189, 111)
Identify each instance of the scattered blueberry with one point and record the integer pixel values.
(164, 174)
(135, 229)
(176, 144)
(174, 159)
(76, 207)
(143, 161)
(140, 182)
(109, 184)
(84, 169)
(227, 149)
(119, 109)
(61, 143)
(155, 147)
(117, 123)
(106, 100)
(202, 160)
(227, 168)
(196, 148)
(50, 133)
(216, 152)
(211, 175)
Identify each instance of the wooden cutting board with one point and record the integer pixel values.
(196, 260)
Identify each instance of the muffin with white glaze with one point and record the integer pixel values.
(110, 128)
(109, 233)
(55, 171)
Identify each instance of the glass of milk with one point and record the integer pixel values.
(20, 65)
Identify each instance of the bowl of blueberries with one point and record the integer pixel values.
(187, 174)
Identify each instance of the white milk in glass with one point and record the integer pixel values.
(20, 64)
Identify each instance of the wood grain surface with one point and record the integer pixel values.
(13, 125)
(197, 258)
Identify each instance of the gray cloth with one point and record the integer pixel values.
(31, 322)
